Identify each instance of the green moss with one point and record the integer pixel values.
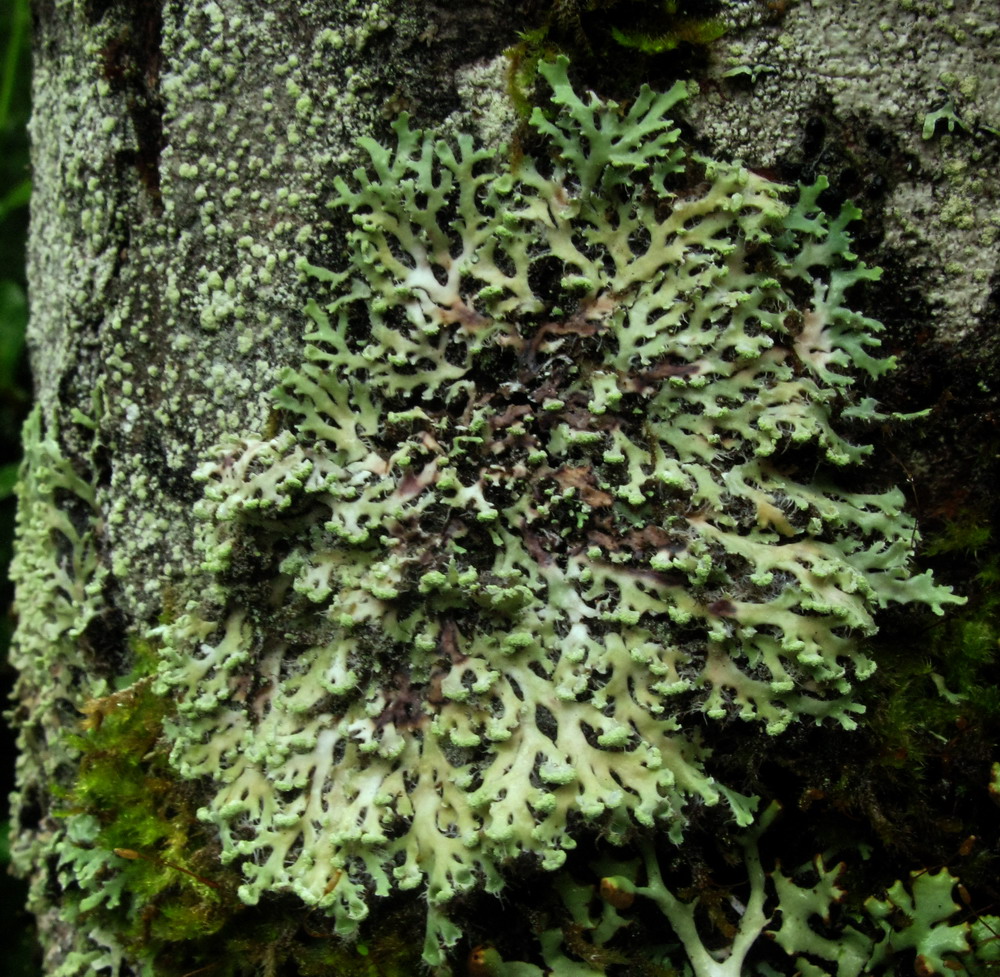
(139, 864)
(650, 26)
(137, 859)
(965, 648)
(966, 534)
(524, 58)
(661, 34)
(386, 952)
(953, 681)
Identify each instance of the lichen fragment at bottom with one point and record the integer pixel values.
(560, 487)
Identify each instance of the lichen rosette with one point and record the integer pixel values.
(557, 486)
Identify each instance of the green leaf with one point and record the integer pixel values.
(15, 198)
(8, 479)
(13, 321)
(10, 62)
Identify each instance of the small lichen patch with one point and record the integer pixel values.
(559, 486)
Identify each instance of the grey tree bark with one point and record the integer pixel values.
(184, 155)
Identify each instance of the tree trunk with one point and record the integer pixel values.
(245, 565)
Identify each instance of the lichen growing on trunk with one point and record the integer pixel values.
(559, 484)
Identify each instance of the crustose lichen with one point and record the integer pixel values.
(557, 487)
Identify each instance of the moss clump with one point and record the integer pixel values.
(386, 951)
(920, 702)
(665, 27)
(967, 645)
(523, 77)
(649, 26)
(136, 862)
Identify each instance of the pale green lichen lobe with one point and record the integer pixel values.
(59, 578)
(560, 486)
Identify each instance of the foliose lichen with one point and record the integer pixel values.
(59, 574)
(554, 486)
(813, 922)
